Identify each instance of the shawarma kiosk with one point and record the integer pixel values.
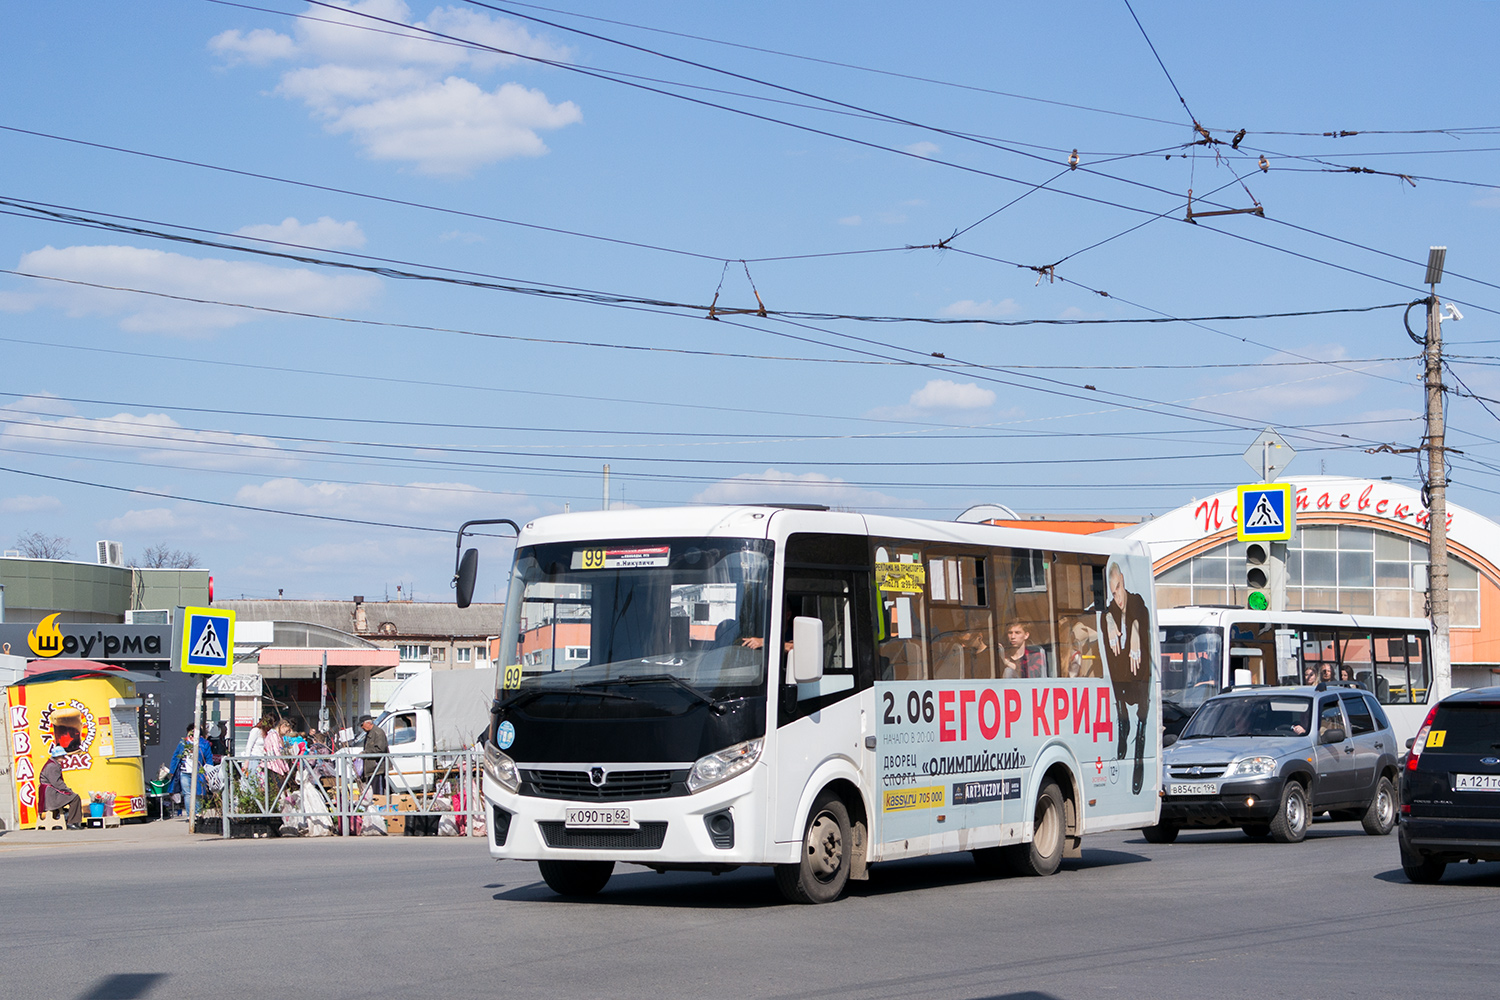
(88, 715)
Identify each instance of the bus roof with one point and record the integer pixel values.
(756, 521)
(1209, 615)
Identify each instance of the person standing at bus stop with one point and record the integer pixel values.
(376, 747)
(1127, 651)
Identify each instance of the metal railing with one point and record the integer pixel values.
(333, 795)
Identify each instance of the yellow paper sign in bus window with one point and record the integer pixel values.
(512, 679)
(1436, 737)
(900, 577)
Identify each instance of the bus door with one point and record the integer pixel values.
(827, 718)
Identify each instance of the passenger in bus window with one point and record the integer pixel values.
(1017, 657)
(1327, 672)
(1127, 626)
(1310, 675)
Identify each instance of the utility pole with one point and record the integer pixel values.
(606, 487)
(1437, 485)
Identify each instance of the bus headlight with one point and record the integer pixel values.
(725, 764)
(501, 768)
(1255, 765)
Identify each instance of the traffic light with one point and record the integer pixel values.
(1257, 582)
(1265, 576)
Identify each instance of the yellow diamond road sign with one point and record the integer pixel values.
(207, 641)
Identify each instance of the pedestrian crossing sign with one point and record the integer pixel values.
(1267, 512)
(207, 641)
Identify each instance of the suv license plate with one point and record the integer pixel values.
(617, 817)
(1194, 788)
(1476, 783)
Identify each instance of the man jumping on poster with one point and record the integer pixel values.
(1127, 652)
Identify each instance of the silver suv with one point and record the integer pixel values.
(1267, 759)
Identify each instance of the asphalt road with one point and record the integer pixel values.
(1213, 915)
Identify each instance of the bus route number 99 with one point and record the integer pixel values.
(512, 677)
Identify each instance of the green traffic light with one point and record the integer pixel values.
(1257, 601)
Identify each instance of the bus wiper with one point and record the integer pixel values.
(714, 706)
(532, 694)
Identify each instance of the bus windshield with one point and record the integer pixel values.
(1191, 662)
(1271, 715)
(686, 614)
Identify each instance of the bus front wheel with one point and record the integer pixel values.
(576, 878)
(1043, 855)
(823, 870)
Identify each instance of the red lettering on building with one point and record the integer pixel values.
(1344, 502)
(1039, 723)
(1381, 506)
(1302, 499)
(1403, 511)
(1364, 498)
(946, 732)
(989, 699)
(1324, 503)
(1209, 511)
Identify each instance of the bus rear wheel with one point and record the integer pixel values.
(576, 878)
(827, 855)
(1043, 855)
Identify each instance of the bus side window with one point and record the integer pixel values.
(1021, 597)
(1079, 596)
(963, 640)
(901, 587)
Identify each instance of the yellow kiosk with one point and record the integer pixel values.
(88, 715)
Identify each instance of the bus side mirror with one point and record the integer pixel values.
(463, 580)
(807, 650)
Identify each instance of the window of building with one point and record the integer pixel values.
(1345, 568)
(482, 653)
(414, 652)
(439, 652)
(463, 654)
(576, 652)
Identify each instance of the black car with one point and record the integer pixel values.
(1450, 787)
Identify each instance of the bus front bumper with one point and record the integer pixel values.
(685, 830)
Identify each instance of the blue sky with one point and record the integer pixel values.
(419, 403)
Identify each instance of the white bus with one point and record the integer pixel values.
(817, 691)
(1206, 650)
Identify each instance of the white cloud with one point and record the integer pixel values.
(460, 236)
(368, 499)
(1300, 388)
(297, 289)
(455, 125)
(923, 148)
(153, 520)
(399, 95)
(1073, 312)
(1488, 201)
(850, 220)
(152, 437)
(323, 233)
(941, 394)
(259, 46)
(988, 309)
(773, 485)
(27, 504)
